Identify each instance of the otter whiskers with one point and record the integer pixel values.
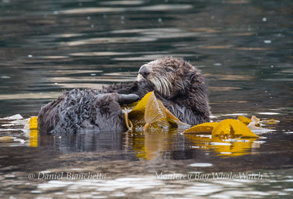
(166, 85)
(163, 85)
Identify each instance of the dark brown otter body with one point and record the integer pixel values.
(179, 85)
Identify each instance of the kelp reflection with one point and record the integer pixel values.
(162, 144)
(223, 146)
(153, 143)
(174, 145)
(150, 145)
(146, 145)
(34, 138)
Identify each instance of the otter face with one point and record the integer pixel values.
(168, 75)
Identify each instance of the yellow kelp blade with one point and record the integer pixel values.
(33, 122)
(136, 115)
(158, 108)
(202, 128)
(141, 105)
(232, 128)
(33, 125)
(243, 119)
(155, 112)
(174, 119)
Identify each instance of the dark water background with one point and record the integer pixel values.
(244, 47)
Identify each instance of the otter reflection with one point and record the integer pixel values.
(147, 145)
(84, 141)
(160, 144)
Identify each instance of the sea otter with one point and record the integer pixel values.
(180, 86)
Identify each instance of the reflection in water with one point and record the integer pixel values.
(159, 144)
(83, 141)
(147, 145)
(34, 135)
(223, 147)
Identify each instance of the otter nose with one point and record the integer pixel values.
(144, 71)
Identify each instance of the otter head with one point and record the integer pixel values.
(170, 76)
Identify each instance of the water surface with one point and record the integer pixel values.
(244, 47)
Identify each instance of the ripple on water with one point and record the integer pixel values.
(5, 77)
(90, 10)
(122, 2)
(202, 189)
(268, 113)
(104, 185)
(108, 40)
(149, 57)
(90, 54)
(201, 165)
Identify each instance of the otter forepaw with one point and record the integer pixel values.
(127, 98)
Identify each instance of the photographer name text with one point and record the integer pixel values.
(67, 176)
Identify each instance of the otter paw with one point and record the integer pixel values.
(127, 98)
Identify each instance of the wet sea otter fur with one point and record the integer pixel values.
(179, 85)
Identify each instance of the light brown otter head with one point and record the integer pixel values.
(171, 76)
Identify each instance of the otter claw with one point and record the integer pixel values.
(127, 98)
